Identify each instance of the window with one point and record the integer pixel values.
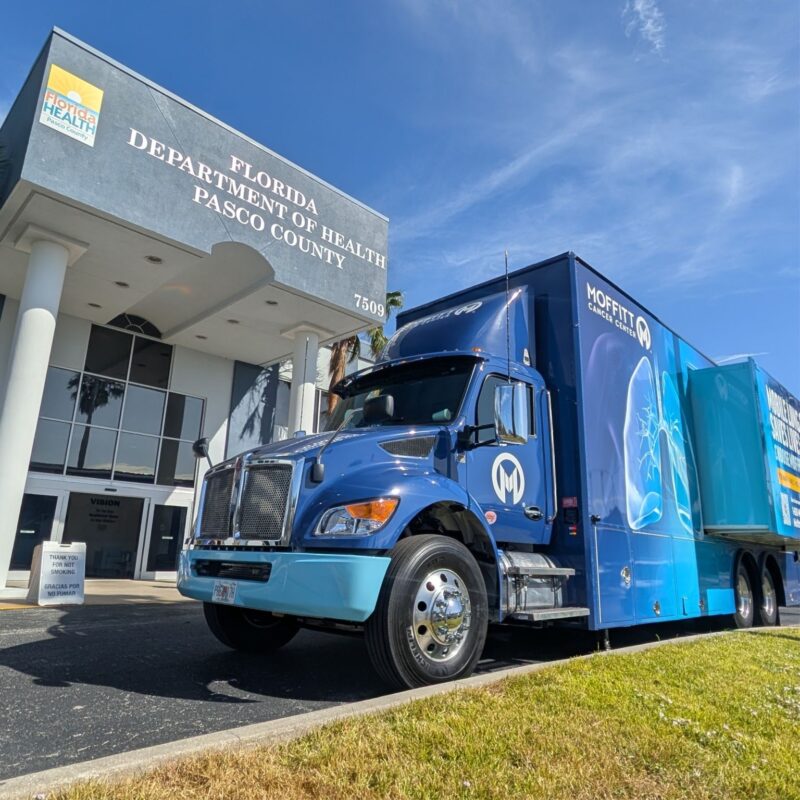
(321, 410)
(100, 402)
(91, 452)
(144, 410)
(50, 446)
(532, 411)
(60, 391)
(183, 417)
(425, 393)
(109, 352)
(136, 458)
(151, 362)
(177, 464)
(484, 414)
(116, 419)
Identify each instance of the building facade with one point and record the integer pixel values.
(162, 278)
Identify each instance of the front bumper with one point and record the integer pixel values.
(319, 585)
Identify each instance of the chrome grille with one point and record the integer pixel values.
(262, 511)
(216, 520)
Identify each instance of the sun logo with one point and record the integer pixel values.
(71, 105)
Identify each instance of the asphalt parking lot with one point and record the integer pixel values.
(83, 682)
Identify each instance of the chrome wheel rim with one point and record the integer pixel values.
(744, 597)
(769, 600)
(442, 615)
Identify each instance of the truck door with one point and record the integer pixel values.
(508, 481)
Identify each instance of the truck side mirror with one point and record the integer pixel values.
(200, 450)
(511, 413)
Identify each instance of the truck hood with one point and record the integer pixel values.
(403, 440)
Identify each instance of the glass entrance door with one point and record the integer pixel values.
(167, 529)
(110, 526)
(40, 517)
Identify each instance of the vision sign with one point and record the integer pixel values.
(161, 166)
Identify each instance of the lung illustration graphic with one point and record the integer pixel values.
(644, 498)
(678, 447)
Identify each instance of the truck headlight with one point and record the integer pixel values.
(357, 519)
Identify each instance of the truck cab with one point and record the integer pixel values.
(409, 517)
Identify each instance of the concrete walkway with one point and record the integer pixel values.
(102, 592)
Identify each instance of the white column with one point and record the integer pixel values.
(304, 381)
(28, 360)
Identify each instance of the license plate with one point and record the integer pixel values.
(224, 592)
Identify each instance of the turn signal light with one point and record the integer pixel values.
(377, 510)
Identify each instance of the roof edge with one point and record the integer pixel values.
(153, 85)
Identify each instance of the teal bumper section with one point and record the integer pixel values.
(320, 585)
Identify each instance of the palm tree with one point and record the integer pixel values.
(94, 394)
(345, 351)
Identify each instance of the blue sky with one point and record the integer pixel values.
(659, 141)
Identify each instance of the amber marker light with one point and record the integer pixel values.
(377, 510)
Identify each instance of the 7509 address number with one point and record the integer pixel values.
(372, 306)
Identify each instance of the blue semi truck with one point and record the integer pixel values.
(536, 450)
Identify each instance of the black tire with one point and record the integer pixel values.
(767, 613)
(247, 630)
(744, 597)
(397, 631)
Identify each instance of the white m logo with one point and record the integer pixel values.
(643, 332)
(506, 483)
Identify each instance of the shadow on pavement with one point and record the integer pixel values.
(150, 649)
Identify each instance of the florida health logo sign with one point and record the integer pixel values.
(71, 105)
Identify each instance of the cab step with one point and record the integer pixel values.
(548, 614)
(540, 572)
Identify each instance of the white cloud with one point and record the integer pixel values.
(645, 17)
(733, 185)
(650, 171)
(507, 24)
(542, 153)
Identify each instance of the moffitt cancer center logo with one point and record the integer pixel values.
(604, 305)
(71, 105)
(508, 485)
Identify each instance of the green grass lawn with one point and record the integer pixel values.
(716, 718)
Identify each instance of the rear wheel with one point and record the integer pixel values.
(430, 622)
(247, 630)
(745, 599)
(768, 599)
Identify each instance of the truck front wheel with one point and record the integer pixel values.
(247, 630)
(430, 622)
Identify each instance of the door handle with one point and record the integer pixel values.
(534, 513)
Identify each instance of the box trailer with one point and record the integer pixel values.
(537, 449)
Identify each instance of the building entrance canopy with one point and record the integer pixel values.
(173, 216)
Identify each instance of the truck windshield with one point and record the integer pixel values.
(424, 392)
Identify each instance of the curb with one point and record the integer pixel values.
(285, 729)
